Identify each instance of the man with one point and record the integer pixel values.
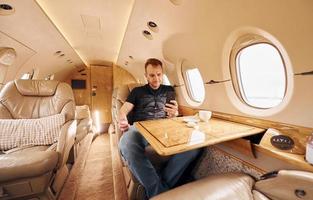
(149, 102)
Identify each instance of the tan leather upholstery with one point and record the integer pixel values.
(218, 187)
(25, 99)
(16, 94)
(24, 165)
(84, 122)
(84, 127)
(285, 185)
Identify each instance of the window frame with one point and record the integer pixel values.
(240, 44)
(188, 83)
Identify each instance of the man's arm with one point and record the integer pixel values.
(122, 116)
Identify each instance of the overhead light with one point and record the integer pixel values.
(147, 34)
(7, 56)
(176, 2)
(57, 52)
(131, 57)
(153, 26)
(6, 9)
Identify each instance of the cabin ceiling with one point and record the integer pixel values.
(35, 40)
(95, 29)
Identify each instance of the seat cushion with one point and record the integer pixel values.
(26, 164)
(217, 187)
(83, 128)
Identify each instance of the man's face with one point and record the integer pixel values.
(154, 75)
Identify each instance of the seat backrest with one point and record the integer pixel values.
(27, 99)
(287, 185)
(119, 97)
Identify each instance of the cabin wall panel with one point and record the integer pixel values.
(81, 96)
(204, 45)
(121, 77)
(102, 82)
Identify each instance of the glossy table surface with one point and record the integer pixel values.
(171, 136)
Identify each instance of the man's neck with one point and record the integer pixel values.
(153, 87)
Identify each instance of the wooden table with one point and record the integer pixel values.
(171, 136)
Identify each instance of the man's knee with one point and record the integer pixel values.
(192, 154)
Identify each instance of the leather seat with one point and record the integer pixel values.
(84, 126)
(134, 189)
(36, 170)
(282, 185)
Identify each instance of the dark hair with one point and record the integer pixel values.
(153, 62)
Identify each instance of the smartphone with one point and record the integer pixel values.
(170, 96)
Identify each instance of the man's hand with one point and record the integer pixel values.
(171, 109)
(123, 123)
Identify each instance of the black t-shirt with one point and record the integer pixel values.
(148, 103)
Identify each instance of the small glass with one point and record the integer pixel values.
(309, 150)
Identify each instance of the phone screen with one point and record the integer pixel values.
(170, 96)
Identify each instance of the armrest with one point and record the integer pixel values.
(66, 141)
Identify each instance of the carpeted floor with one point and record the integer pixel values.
(97, 179)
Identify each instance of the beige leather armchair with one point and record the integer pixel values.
(282, 185)
(36, 170)
(84, 126)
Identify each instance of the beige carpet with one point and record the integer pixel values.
(97, 179)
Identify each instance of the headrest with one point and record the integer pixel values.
(36, 87)
(131, 86)
(82, 112)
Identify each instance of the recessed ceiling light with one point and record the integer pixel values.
(62, 55)
(57, 52)
(147, 34)
(176, 2)
(131, 57)
(6, 9)
(153, 26)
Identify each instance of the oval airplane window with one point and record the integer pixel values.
(194, 84)
(261, 75)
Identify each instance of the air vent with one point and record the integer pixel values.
(6, 9)
(147, 34)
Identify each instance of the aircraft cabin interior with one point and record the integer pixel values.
(156, 99)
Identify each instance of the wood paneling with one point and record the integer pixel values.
(101, 86)
(121, 77)
(171, 136)
(282, 127)
(82, 96)
(298, 131)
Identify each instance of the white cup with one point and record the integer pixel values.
(205, 115)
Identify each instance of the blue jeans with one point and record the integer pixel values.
(132, 147)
